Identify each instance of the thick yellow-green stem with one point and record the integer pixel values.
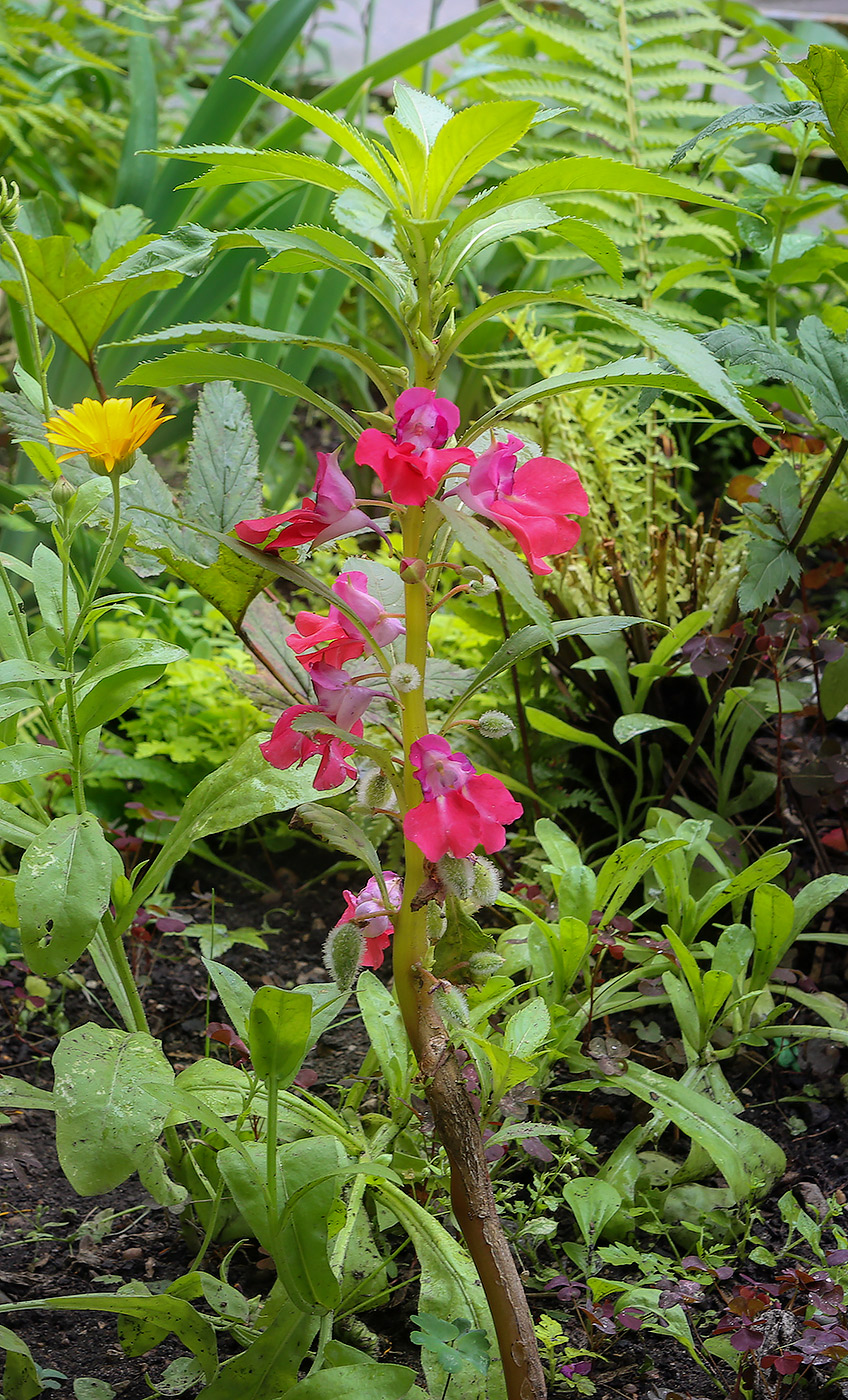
(410, 939)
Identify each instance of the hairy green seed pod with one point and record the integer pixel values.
(436, 922)
(343, 954)
(457, 875)
(486, 885)
(482, 966)
(494, 724)
(452, 1006)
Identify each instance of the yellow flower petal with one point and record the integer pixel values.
(107, 433)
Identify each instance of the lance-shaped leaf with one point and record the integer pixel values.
(342, 832)
(467, 143)
(201, 366)
(235, 165)
(760, 114)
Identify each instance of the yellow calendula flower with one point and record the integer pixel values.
(108, 433)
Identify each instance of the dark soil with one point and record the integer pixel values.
(52, 1243)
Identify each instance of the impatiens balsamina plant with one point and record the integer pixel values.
(366, 655)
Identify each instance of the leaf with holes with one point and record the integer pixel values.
(62, 892)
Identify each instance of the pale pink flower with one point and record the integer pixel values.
(373, 917)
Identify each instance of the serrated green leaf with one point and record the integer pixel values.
(466, 145)
(761, 114)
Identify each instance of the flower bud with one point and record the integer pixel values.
(482, 966)
(494, 724)
(10, 205)
(486, 884)
(62, 494)
(122, 891)
(413, 570)
(436, 923)
(405, 677)
(343, 954)
(451, 1004)
(481, 588)
(374, 791)
(457, 875)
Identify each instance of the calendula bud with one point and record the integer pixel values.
(486, 884)
(494, 724)
(10, 204)
(436, 922)
(62, 494)
(405, 677)
(457, 875)
(343, 954)
(452, 1006)
(482, 966)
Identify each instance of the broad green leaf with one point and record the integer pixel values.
(223, 1087)
(468, 143)
(200, 366)
(527, 1029)
(241, 790)
(593, 1203)
(769, 566)
(632, 726)
(118, 673)
(223, 484)
(748, 1160)
(524, 216)
(559, 729)
(684, 351)
(62, 891)
(278, 1033)
(772, 915)
(814, 897)
(386, 1032)
(8, 904)
(20, 762)
(168, 1313)
(106, 1120)
(509, 571)
(15, 700)
(342, 832)
(449, 1289)
(825, 73)
(727, 891)
(271, 1362)
(16, 1093)
(59, 610)
(761, 114)
(20, 1375)
(382, 1378)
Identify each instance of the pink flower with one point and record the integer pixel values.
(412, 464)
(339, 696)
(287, 747)
(331, 514)
(462, 809)
(424, 420)
(374, 917)
(532, 501)
(334, 638)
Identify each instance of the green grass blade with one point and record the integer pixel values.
(137, 171)
(227, 103)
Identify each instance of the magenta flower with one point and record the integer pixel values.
(287, 747)
(373, 917)
(462, 809)
(423, 420)
(334, 638)
(533, 501)
(331, 514)
(412, 464)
